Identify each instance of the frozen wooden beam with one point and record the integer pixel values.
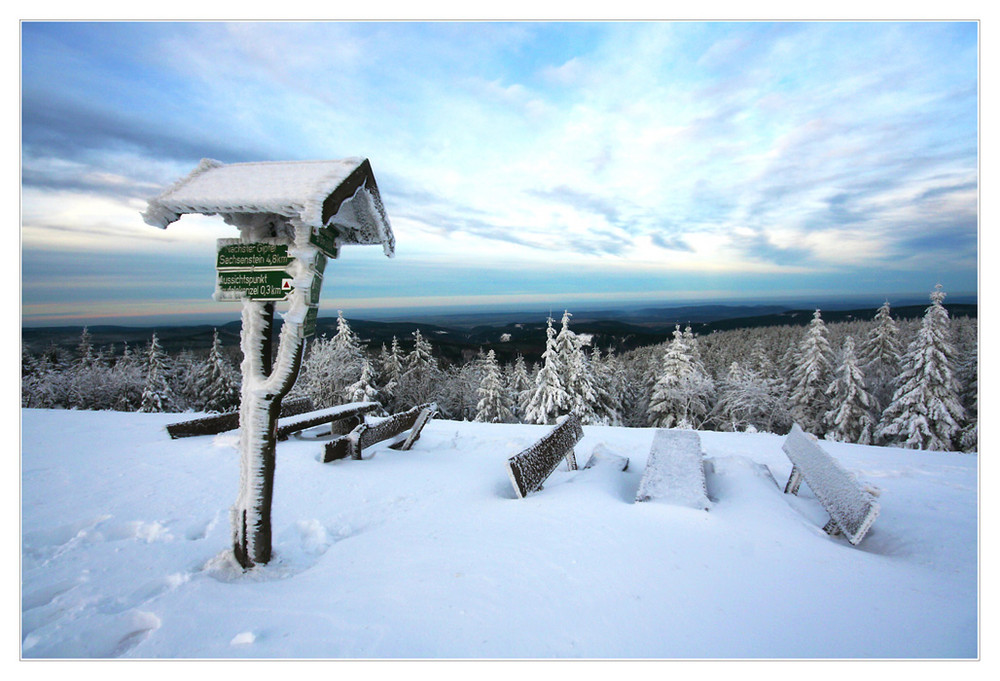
(220, 423)
(852, 510)
(344, 412)
(530, 468)
(367, 435)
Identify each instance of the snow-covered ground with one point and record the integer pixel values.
(427, 553)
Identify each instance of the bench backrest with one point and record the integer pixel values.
(675, 470)
(366, 435)
(529, 468)
(290, 424)
(220, 423)
(851, 508)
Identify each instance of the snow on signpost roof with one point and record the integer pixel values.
(340, 194)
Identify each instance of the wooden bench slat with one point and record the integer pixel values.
(852, 510)
(529, 468)
(366, 435)
(292, 424)
(220, 423)
(675, 470)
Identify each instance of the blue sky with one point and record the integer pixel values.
(521, 164)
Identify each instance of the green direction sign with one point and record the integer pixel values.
(314, 291)
(325, 239)
(234, 254)
(309, 323)
(253, 285)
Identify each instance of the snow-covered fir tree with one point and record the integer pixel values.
(391, 371)
(850, 418)
(549, 400)
(576, 377)
(331, 365)
(969, 439)
(364, 389)
(682, 392)
(216, 382)
(85, 350)
(749, 400)
(811, 376)
(494, 398)
(880, 356)
(926, 412)
(607, 387)
(419, 382)
(519, 385)
(156, 393)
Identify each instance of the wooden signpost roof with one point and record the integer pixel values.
(338, 195)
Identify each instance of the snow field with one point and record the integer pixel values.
(428, 553)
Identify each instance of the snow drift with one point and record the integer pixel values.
(427, 553)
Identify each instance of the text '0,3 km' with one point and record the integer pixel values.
(253, 285)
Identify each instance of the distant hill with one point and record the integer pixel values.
(458, 338)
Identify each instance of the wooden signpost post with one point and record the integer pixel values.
(292, 216)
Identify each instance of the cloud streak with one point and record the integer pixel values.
(721, 146)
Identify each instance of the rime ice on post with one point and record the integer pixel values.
(675, 470)
(291, 216)
(530, 468)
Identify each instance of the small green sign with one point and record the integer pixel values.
(309, 323)
(253, 285)
(319, 264)
(314, 291)
(234, 254)
(325, 239)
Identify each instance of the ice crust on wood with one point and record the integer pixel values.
(529, 468)
(849, 505)
(367, 435)
(675, 470)
(220, 423)
(287, 426)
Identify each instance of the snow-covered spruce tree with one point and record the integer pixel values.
(850, 418)
(549, 400)
(811, 376)
(880, 355)
(156, 394)
(969, 439)
(128, 377)
(926, 412)
(751, 401)
(390, 373)
(494, 398)
(331, 365)
(682, 392)
(576, 378)
(607, 386)
(364, 389)
(519, 385)
(85, 350)
(421, 376)
(216, 383)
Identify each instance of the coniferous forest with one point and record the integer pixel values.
(905, 383)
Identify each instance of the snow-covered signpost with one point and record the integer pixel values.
(292, 216)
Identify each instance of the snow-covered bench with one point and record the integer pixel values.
(852, 510)
(529, 468)
(367, 435)
(675, 470)
(220, 423)
(342, 419)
